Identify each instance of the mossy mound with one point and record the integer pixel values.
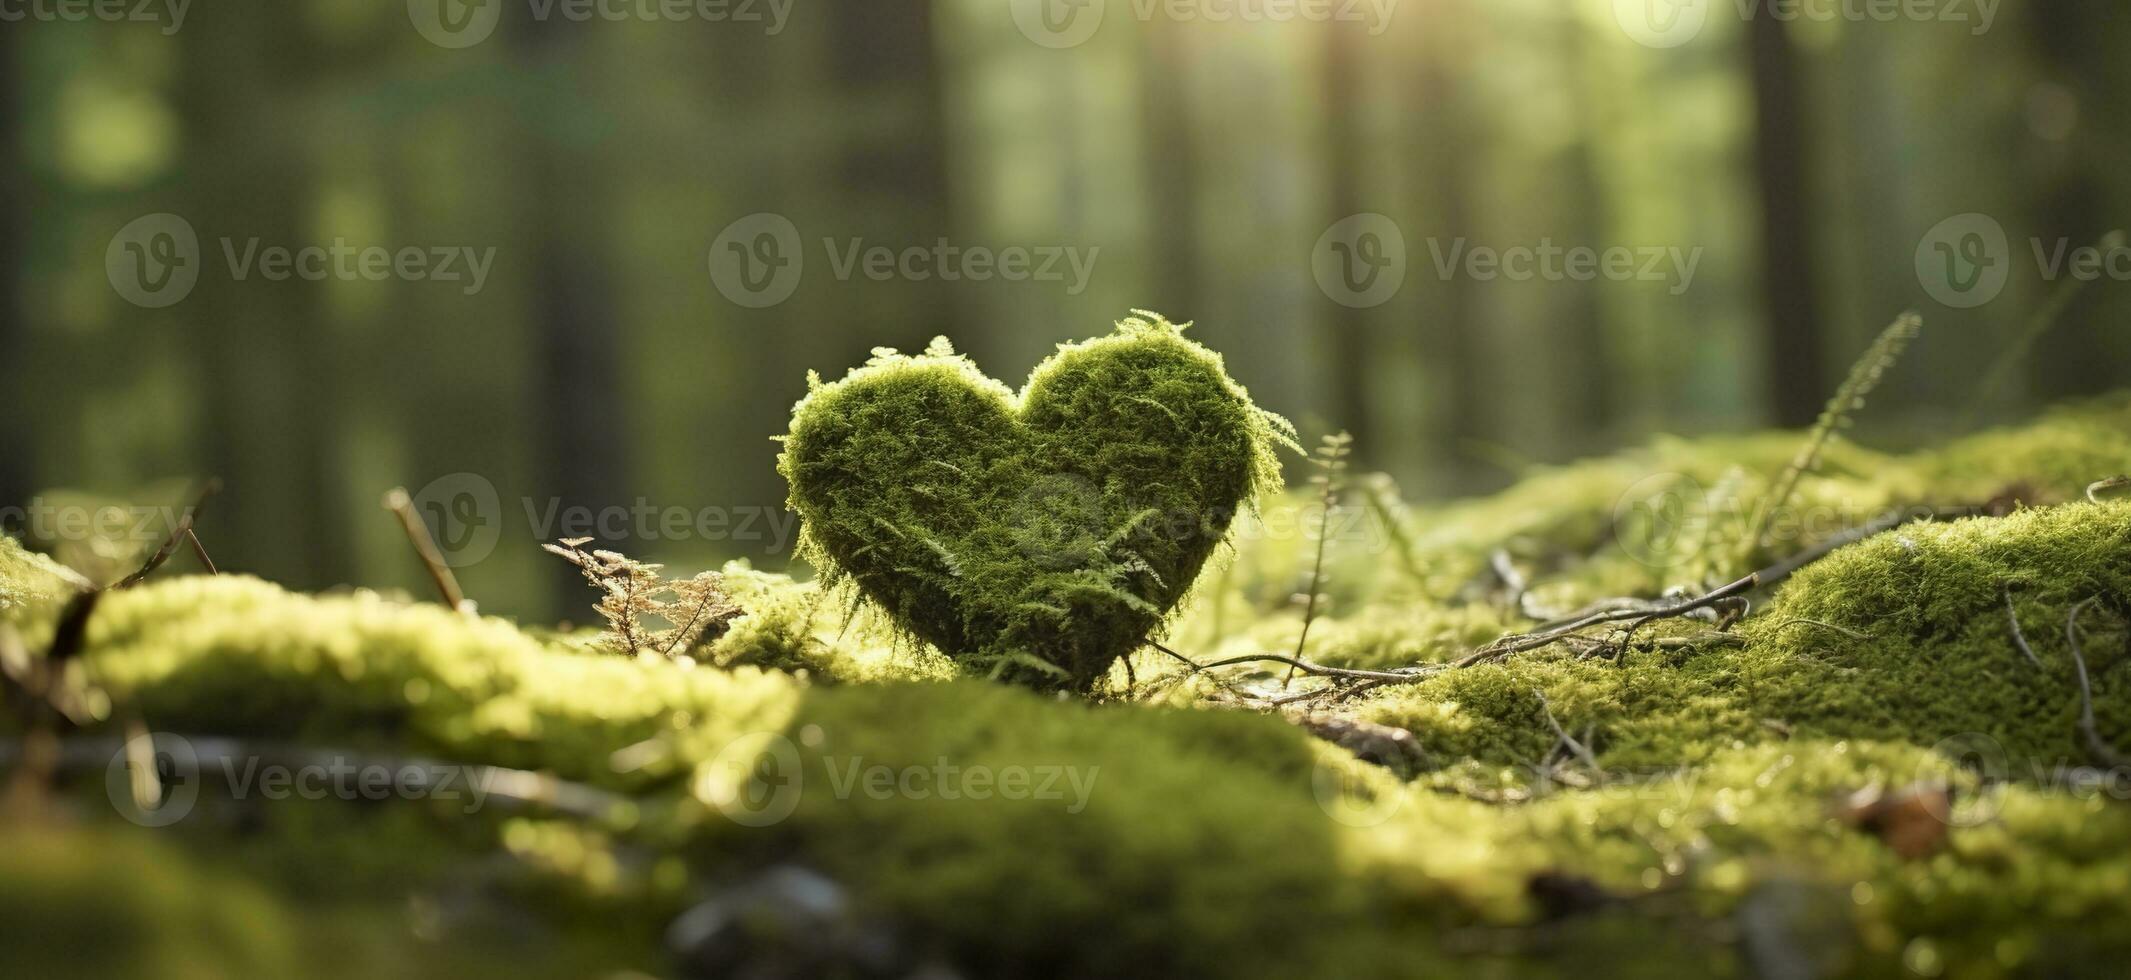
(1046, 533)
(28, 579)
(1904, 637)
(1153, 827)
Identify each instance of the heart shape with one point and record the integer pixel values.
(1042, 535)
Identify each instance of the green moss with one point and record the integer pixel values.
(1923, 647)
(1904, 637)
(1043, 534)
(1209, 840)
(110, 904)
(28, 579)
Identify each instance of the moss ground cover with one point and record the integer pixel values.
(1718, 832)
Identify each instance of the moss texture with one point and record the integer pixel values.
(1045, 533)
(1209, 839)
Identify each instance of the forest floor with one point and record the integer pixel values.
(1557, 730)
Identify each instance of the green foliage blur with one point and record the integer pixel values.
(1199, 166)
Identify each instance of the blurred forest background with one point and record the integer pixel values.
(1804, 161)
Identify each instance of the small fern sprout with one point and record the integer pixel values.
(1331, 461)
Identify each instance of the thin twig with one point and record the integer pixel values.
(2100, 750)
(1521, 642)
(1885, 522)
(170, 544)
(1297, 663)
(399, 503)
(2019, 638)
(412, 776)
(1582, 751)
(200, 551)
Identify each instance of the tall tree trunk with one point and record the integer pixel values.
(1171, 158)
(893, 161)
(2079, 47)
(1582, 370)
(582, 456)
(1792, 341)
(264, 355)
(16, 463)
(1449, 316)
(1349, 336)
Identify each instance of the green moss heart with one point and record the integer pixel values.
(1040, 535)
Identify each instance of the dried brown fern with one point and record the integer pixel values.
(632, 593)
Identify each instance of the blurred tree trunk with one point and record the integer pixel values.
(262, 348)
(1344, 158)
(1582, 370)
(16, 464)
(582, 430)
(2080, 50)
(893, 161)
(1792, 339)
(1444, 136)
(1172, 203)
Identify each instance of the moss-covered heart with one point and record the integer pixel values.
(1040, 536)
